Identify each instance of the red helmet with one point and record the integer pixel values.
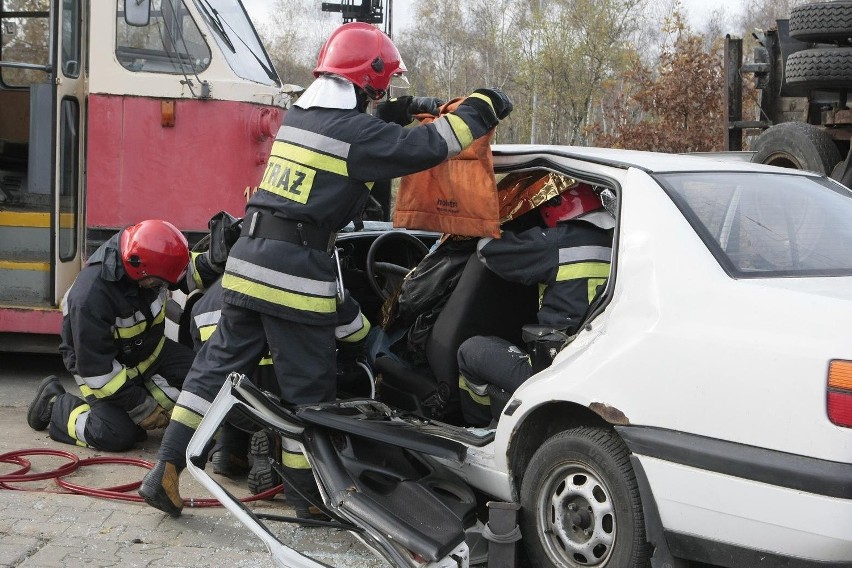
(362, 54)
(573, 202)
(154, 248)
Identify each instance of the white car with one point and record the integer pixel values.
(702, 413)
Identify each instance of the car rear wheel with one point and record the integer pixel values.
(581, 505)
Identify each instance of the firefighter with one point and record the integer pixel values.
(569, 260)
(229, 455)
(279, 282)
(113, 341)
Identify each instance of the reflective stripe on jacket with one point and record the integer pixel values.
(569, 262)
(352, 325)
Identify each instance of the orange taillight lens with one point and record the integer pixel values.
(839, 395)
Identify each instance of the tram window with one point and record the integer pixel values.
(69, 163)
(71, 38)
(170, 43)
(24, 38)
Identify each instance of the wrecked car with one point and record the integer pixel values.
(702, 412)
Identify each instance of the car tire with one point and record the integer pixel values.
(822, 22)
(580, 503)
(797, 145)
(828, 68)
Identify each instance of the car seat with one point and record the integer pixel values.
(481, 304)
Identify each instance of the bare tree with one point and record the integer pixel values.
(293, 35)
(578, 44)
(762, 14)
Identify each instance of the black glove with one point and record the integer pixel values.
(224, 232)
(425, 105)
(499, 100)
(395, 110)
(401, 110)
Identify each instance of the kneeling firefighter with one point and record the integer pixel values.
(114, 344)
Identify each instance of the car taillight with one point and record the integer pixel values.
(840, 393)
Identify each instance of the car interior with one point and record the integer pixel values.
(418, 371)
(422, 311)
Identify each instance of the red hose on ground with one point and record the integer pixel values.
(118, 492)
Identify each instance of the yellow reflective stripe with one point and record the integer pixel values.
(582, 270)
(593, 287)
(158, 394)
(369, 185)
(266, 361)
(477, 398)
(72, 422)
(186, 417)
(132, 331)
(280, 297)
(109, 389)
(206, 331)
(482, 97)
(196, 276)
(143, 366)
(310, 158)
(360, 334)
(295, 461)
(460, 129)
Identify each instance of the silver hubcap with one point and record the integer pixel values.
(576, 517)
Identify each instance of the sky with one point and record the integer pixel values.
(697, 10)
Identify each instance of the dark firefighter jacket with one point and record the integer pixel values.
(322, 167)
(112, 329)
(568, 262)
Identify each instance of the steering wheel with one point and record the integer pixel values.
(385, 277)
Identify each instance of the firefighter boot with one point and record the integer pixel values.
(40, 409)
(230, 456)
(263, 449)
(160, 488)
(303, 495)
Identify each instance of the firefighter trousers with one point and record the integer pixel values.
(490, 370)
(303, 358)
(105, 424)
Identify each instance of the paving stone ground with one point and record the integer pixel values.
(41, 526)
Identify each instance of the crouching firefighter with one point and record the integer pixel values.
(114, 344)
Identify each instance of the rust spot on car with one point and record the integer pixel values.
(609, 413)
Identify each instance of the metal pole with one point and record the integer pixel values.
(535, 73)
(734, 80)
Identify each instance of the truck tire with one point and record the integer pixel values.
(822, 22)
(820, 68)
(797, 145)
